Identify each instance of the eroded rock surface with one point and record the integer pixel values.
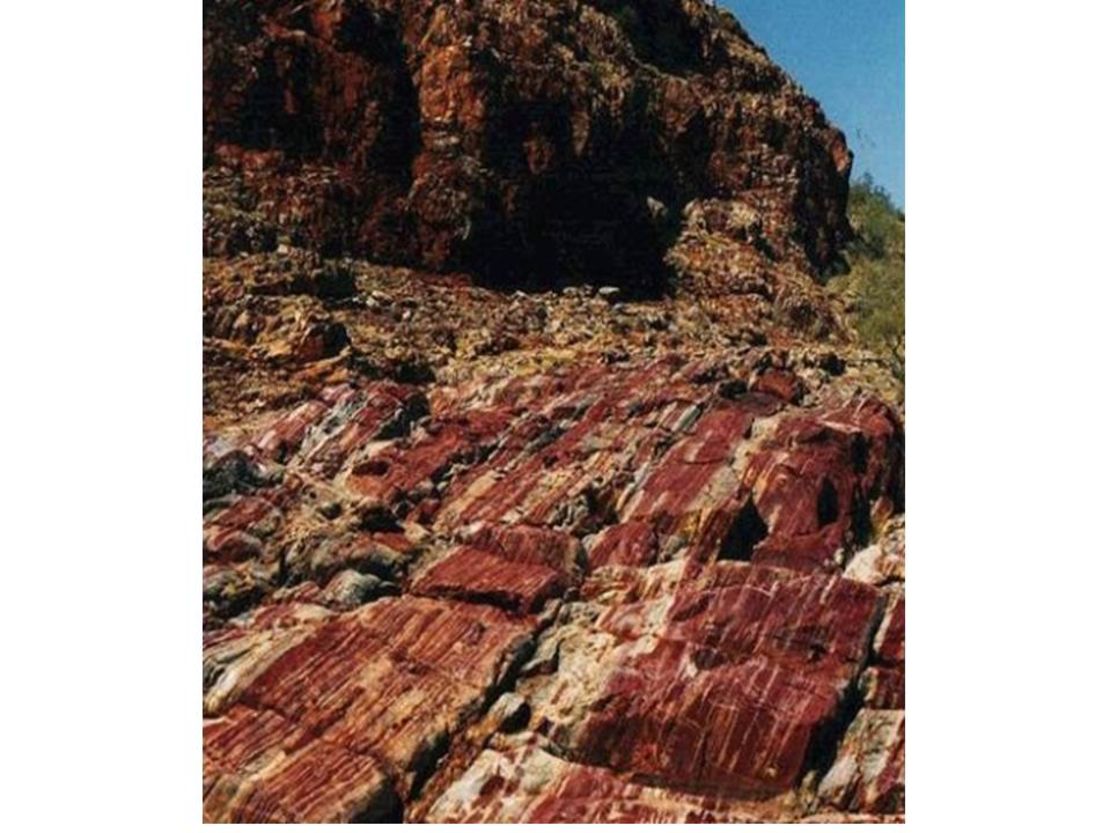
(534, 140)
(576, 554)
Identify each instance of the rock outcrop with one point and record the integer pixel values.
(524, 142)
(629, 553)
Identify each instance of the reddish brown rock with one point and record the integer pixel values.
(367, 415)
(743, 680)
(379, 690)
(237, 532)
(397, 472)
(682, 664)
(537, 138)
(884, 683)
(532, 545)
(632, 544)
(527, 784)
(781, 384)
(476, 575)
(694, 475)
(259, 767)
(815, 481)
(869, 774)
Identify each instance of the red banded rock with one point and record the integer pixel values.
(260, 767)
(823, 623)
(694, 476)
(313, 439)
(869, 774)
(525, 783)
(525, 544)
(633, 544)
(747, 678)
(883, 683)
(369, 127)
(378, 411)
(471, 574)
(394, 679)
(890, 641)
(732, 678)
(815, 481)
(574, 478)
(235, 655)
(389, 682)
(238, 532)
(781, 384)
(282, 438)
(400, 471)
(884, 687)
(277, 436)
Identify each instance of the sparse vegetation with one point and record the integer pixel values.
(876, 281)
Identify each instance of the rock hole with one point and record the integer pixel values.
(660, 33)
(860, 449)
(386, 808)
(747, 530)
(828, 504)
(861, 519)
(588, 220)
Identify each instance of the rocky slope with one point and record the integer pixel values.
(624, 546)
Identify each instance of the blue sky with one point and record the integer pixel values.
(850, 56)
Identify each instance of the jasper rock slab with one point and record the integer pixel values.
(676, 653)
(869, 774)
(476, 575)
(884, 681)
(259, 767)
(816, 480)
(525, 783)
(730, 684)
(409, 670)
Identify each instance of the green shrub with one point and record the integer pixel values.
(876, 280)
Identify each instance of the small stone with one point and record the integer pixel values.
(609, 293)
(732, 388)
(375, 517)
(511, 711)
(350, 589)
(831, 363)
(331, 510)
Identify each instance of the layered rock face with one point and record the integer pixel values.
(523, 142)
(577, 554)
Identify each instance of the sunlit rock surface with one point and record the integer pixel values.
(628, 546)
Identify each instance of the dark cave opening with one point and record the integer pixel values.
(660, 33)
(747, 531)
(590, 227)
(828, 504)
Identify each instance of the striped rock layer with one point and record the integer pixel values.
(656, 570)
